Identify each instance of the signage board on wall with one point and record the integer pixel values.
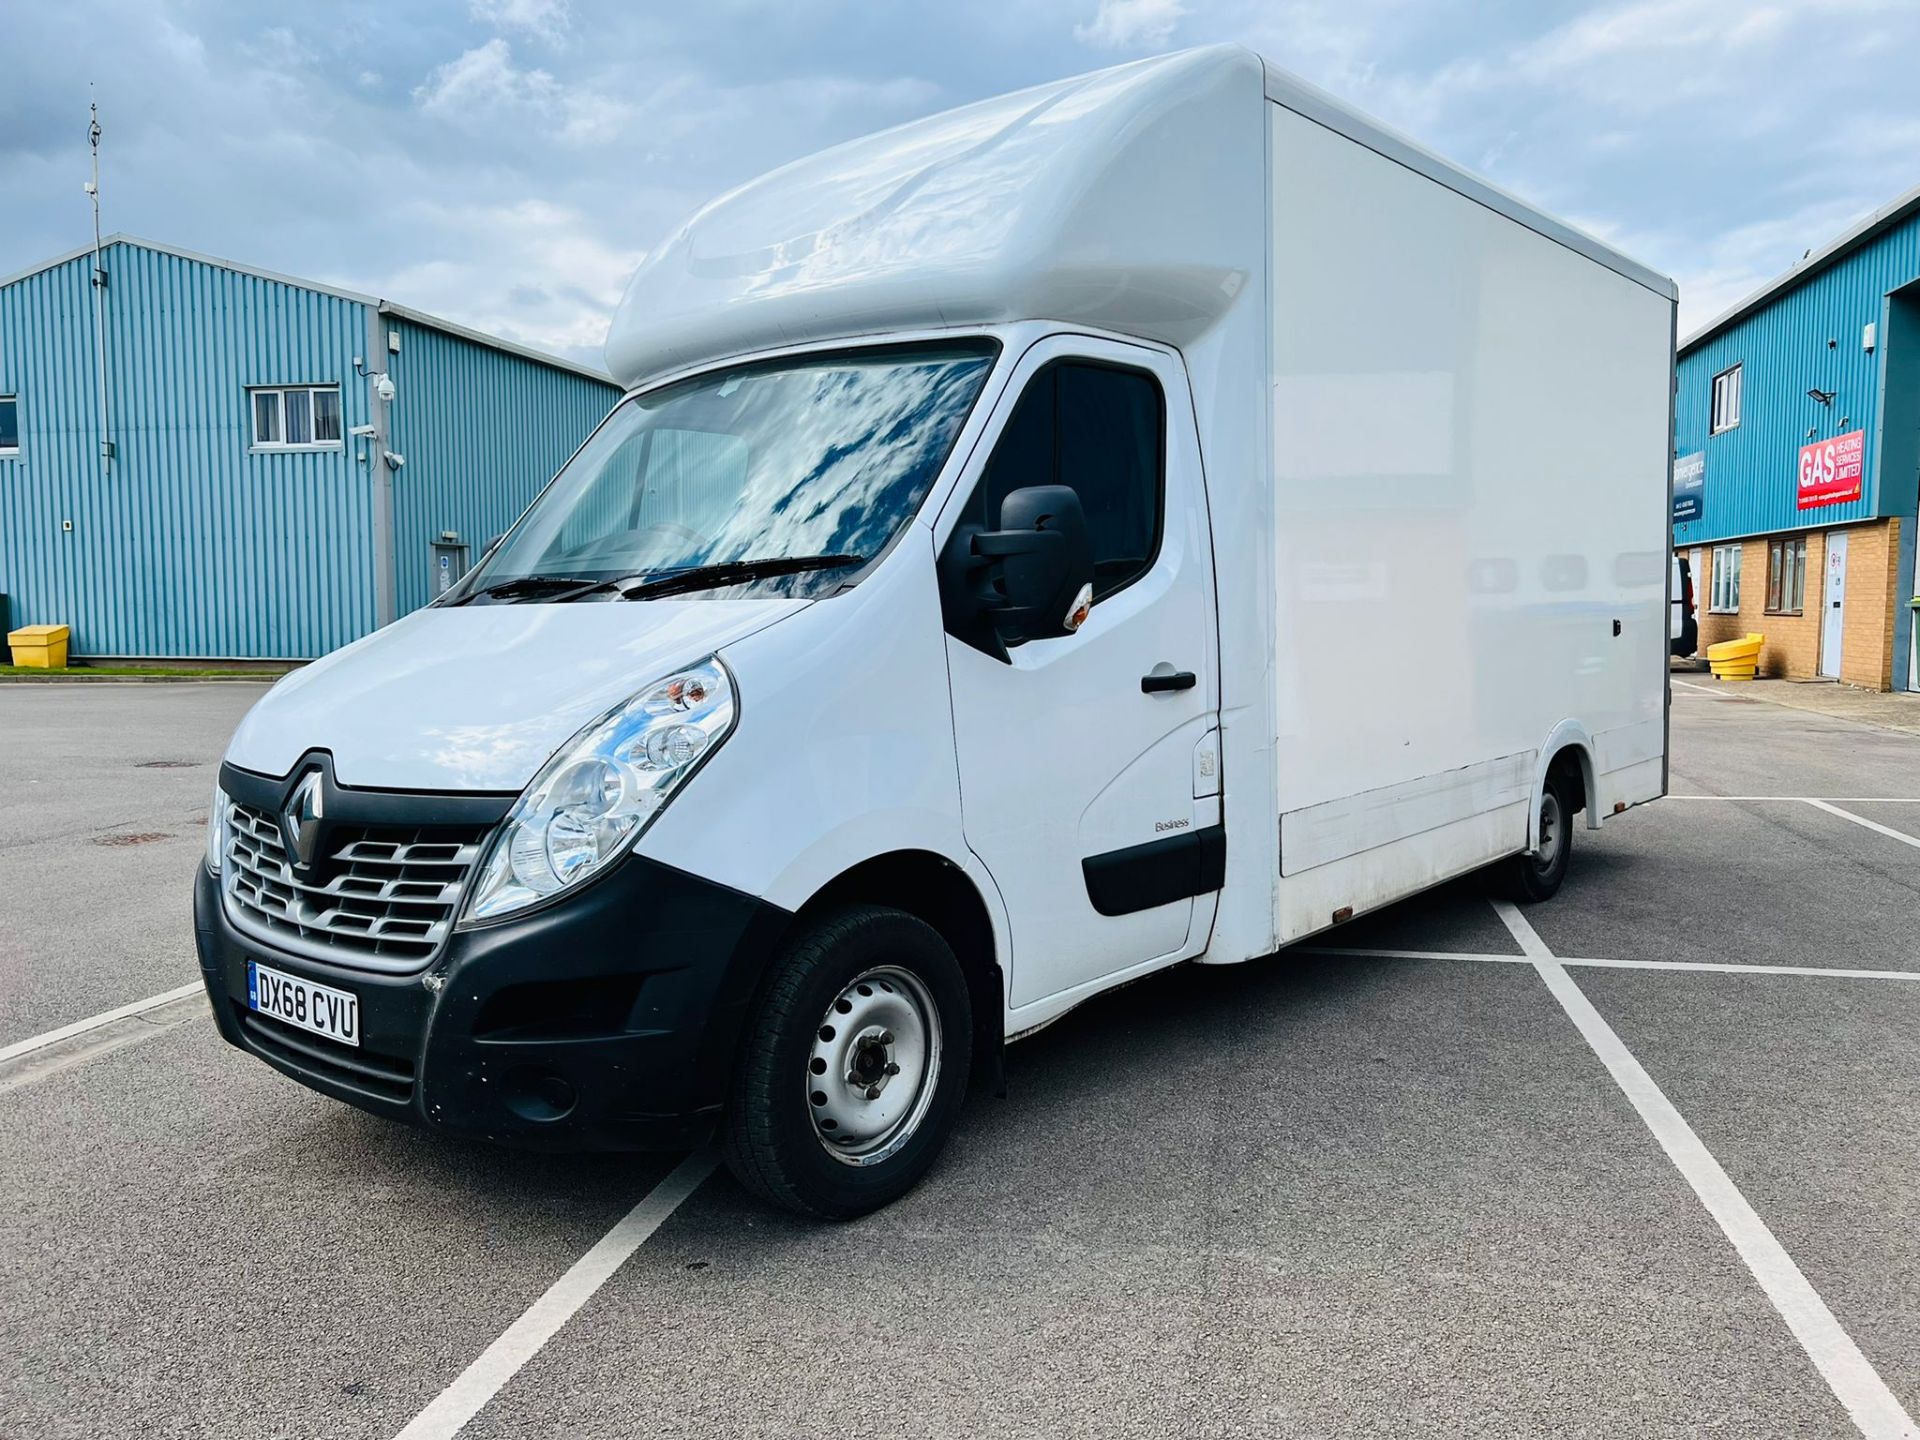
(1690, 487)
(1830, 470)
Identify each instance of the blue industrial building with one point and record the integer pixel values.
(1797, 460)
(204, 459)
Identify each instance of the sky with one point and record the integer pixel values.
(507, 163)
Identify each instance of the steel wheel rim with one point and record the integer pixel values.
(1551, 825)
(873, 1066)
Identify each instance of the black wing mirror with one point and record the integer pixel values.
(1032, 579)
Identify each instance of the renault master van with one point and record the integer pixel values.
(1150, 518)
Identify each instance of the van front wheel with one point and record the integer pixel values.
(854, 1065)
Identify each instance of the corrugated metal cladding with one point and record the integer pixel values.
(1752, 474)
(195, 544)
(482, 430)
(188, 544)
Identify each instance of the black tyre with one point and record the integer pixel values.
(854, 1065)
(1530, 879)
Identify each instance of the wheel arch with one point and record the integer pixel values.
(1568, 750)
(934, 889)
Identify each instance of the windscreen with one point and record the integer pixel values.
(821, 457)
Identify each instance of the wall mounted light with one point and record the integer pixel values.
(1823, 397)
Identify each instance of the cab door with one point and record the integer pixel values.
(1089, 774)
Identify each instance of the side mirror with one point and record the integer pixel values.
(1032, 579)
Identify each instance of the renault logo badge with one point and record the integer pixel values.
(300, 821)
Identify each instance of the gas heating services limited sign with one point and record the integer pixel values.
(1830, 470)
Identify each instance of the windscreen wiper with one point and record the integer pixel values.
(728, 572)
(544, 586)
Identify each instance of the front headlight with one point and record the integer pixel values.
(602, 788)
(217, 829)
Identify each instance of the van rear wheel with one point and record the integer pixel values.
(854, 1065)
(1532, 878)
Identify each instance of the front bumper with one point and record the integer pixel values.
(607, 1021)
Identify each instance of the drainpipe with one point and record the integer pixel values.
(99, 287)
(380, 465)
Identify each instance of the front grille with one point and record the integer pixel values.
(385, 1077)
(382, 898)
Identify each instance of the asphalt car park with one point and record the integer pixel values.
(1399, 1183)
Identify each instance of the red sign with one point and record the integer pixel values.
(1830, 470)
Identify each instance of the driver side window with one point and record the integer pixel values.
(1102, 430)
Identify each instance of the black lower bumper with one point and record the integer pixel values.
(605, 1022)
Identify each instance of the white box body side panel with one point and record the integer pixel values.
(1470, 467)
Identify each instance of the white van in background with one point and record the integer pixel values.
(1152, 517)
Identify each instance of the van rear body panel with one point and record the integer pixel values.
(1470, 476)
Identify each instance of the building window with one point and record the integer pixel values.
(1726, 400)
(9, 425)
(296, 417)
(1724, 596)
(1787, 576)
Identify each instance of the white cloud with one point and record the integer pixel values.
(528, 169)
(1127, 24)
(1730, 266)
(534, 271)
(483, 88)
(1716, 271)
(544, 19)
(483, 77)
(1646, 26)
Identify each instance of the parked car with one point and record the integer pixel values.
(1683, 618)
(1038, 547)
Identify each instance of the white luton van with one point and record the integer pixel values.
(1149, 518)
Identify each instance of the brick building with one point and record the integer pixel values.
(1797, 461)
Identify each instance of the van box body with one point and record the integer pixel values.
(1406, 557)
(1434, 428)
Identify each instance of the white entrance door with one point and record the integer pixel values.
(1833, 604)
(1087, 781)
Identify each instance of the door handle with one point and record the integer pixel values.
(1169, 680)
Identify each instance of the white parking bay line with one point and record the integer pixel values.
(522, 1340)
(1708, 690)
(1874, 825)
(1853, 1380)
(94, 1022)
(1812, 799)
(1407, 954)
(1717, 967)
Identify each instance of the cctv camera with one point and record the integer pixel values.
(383, 387)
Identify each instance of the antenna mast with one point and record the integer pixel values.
(99, 279)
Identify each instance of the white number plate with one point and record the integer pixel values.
(319, 1008)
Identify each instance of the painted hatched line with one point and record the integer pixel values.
(453, 1407)
(94, 1022)
(1848, 1373)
